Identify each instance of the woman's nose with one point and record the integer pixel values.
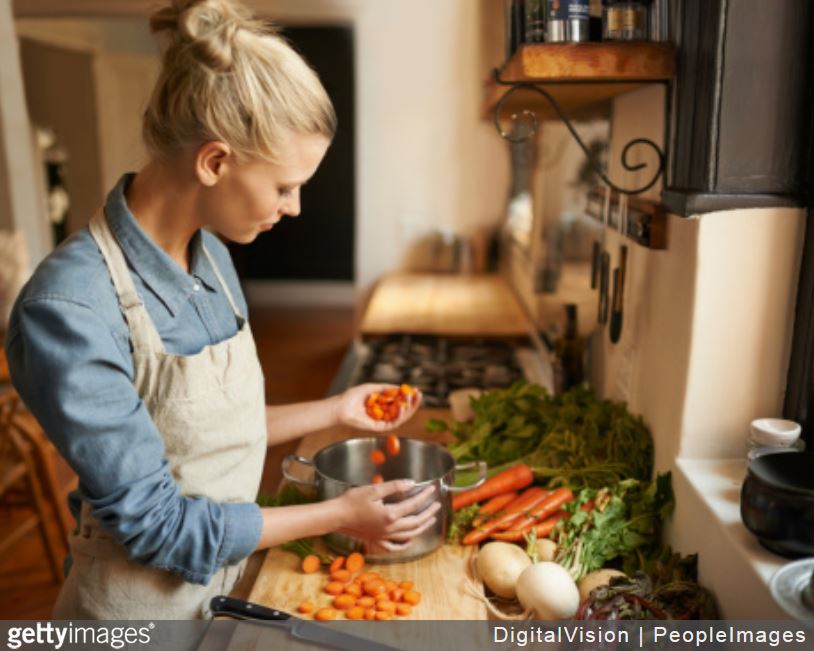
(292, 208)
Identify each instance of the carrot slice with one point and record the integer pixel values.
(311, 564)
(355, 613)
(355, 562)
(341, 575)
(325, 614)
(344, 602)
(412, 597)
(403, 610)
(366, 602)
(306, 607)
(337, 564)
(335, 588)
(377, 479)
(393, 445)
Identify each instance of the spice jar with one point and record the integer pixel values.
(611, 21)
(634, 21)
(535, 21)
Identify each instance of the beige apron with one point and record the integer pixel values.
(210, 410)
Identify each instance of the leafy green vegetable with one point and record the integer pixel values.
(461, 523)
(305, 547)
(622, 521)
(669, 590)
(573, 439)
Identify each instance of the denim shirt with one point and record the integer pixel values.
(70, 358)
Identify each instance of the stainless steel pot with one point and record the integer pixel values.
(344, 465)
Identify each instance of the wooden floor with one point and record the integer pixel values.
(300, 351)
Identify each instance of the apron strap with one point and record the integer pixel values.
(222, 282)
(143, 332)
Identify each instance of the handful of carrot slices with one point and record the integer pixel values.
(512, 507)
(358, 594)
(387, 405)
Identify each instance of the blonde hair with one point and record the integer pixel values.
(227, 76)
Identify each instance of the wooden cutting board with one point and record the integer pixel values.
(440, 577)
(453, 305)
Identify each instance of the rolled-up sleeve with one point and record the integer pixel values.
(74, 377)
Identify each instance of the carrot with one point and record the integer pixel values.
(341, 575)
(403, 610)
(396, 595)
(335, 588)
(547, 507)
(377, 479)
(393, 445)
(530, 498)
(311, 564)
(355, 613)
(366, 602)
(406, 585)
(412, 597)
(325, 613)
(306, 607)
(377, 457)
(370, 613)
(337, 564)
(541, 530)
(381, 615)
(511, 479)
(354, 589)
(355, 562)
(344, 602)
(493, 507)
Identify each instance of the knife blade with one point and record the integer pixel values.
(300, 629)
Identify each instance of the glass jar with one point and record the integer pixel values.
(773, 435)
(634, 21)
(611, 21)
(535, 21)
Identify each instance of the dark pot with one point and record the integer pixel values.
(777, 502)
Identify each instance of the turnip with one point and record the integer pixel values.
(543, 549)
(591, 581)
(499, 565)
(548, 591)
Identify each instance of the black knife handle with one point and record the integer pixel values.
(246, 610)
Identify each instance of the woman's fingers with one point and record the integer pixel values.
(413, 521)
(385, 489)
(412, 533)
(412, 504)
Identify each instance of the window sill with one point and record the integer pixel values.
(707, 520)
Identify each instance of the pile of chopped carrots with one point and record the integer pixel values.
(387, 405)
(358, 594)
(507, 513)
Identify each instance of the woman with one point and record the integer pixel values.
(131, 347)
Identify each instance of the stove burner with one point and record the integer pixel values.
(437, 365)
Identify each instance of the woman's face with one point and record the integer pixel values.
(250, 198)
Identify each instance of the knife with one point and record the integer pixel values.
(297, 628)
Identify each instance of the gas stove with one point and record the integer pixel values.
(438, 365)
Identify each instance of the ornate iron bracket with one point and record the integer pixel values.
(516, 86)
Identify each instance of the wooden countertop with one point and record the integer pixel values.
(454, 305)
(281, 584)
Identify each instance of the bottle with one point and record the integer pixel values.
(611, 21)
(535, 21)
(570, 352)
(515, 16)
(773, 435)
(634, 21)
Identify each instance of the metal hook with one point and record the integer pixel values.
(516, 86)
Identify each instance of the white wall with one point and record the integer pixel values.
(425, 156)
(708, 322)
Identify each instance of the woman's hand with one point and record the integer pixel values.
(391, 527)
(351, 408)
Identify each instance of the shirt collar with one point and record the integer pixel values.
(171, 284)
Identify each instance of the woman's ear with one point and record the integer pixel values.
(212, 161)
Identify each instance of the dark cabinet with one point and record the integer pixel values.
(740, 103)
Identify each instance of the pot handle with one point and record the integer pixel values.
(481, 466)
(292, 458)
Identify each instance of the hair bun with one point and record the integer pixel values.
(206, 29)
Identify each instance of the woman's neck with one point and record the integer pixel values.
(163, 204)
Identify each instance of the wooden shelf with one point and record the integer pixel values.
(582, 77)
